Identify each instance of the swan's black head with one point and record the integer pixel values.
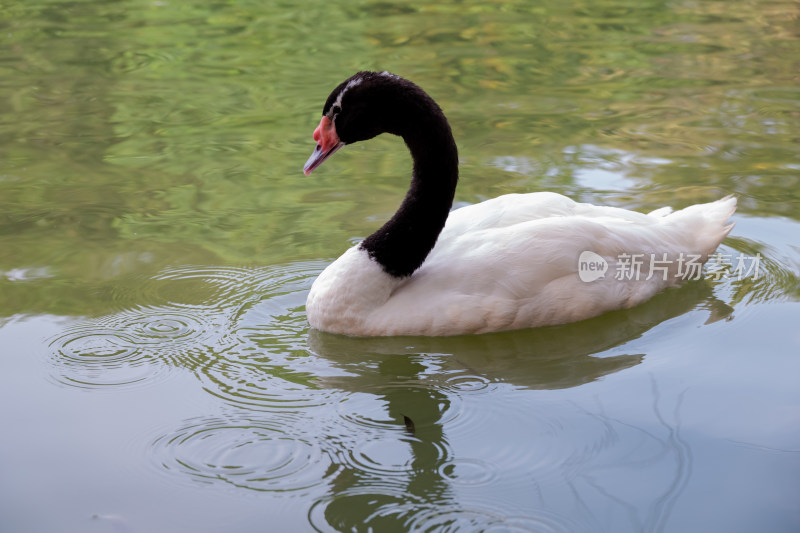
(365, 105)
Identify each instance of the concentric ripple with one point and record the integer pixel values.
(457, 518)
(89, 356)
(367, 413)
(381, 458)
(465, 382)
(262, 387)
(167, 327)
(409, 513)
(217, 287)
(126, 347)
(468, 472)
(213, 321)
(245, 453)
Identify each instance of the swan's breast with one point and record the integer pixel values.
(347, 292)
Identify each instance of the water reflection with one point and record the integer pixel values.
(542, 358)
(393, 433)
(435, 386)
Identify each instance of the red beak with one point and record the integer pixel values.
(327, 143)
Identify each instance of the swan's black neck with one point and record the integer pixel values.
(403, 243)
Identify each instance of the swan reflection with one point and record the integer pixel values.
(430, 394)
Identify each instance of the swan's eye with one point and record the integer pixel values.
(335, 110)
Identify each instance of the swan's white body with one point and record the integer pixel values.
(512, 262)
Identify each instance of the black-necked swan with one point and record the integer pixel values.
(516, 261)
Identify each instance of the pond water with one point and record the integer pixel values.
(158, 239)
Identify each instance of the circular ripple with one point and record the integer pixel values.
(456, 518)
(221, 289)
(369, 408)
(90, 355)
(166, 327)
(202, 286)
(468, 472)
(356, 511)
(364, 510)
(465, 383)
(258, 356)
(380, 457)
(262, 387)
(367, 412)
(217, 287)
(248, 454)
(231, 318)
(128, 346)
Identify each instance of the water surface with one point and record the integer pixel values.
(158, 239)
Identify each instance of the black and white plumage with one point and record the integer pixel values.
(506, 263)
